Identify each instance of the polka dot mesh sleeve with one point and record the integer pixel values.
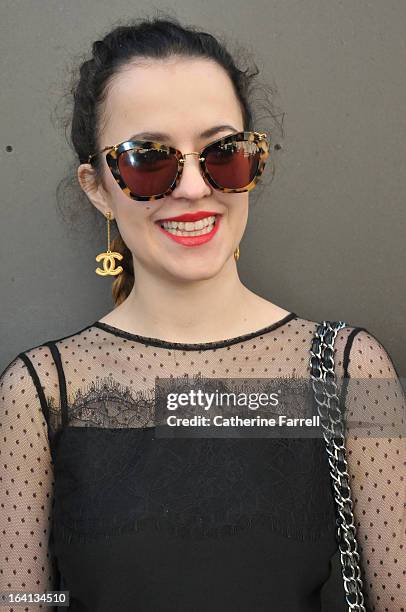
(376, 457)
(26, 479)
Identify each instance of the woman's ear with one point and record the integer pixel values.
(93, 187)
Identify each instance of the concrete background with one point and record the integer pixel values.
(326, 239)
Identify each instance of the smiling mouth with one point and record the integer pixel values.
(190, 228)
(191, 234)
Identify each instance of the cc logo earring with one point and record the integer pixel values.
(237, 253)
(109, 257)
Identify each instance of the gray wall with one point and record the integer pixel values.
(326, 239)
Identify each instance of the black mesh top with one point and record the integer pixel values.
(93, 502)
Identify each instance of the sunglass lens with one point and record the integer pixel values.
(233, 164)
(147, 172)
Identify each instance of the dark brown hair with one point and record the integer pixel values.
(157, 38)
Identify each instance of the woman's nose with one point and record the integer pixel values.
(191, 183)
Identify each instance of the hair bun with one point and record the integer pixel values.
(100, 50)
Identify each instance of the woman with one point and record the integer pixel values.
(98, 505)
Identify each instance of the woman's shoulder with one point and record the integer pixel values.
(41, 353)
(310, 326)
(356, 347)
(38, 367)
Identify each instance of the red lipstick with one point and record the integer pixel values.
(192, 241)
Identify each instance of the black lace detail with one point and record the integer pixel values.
(107, 403)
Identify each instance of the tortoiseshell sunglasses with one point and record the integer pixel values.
(147, 170)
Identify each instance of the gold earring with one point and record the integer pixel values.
(109, 256)
(237, 253)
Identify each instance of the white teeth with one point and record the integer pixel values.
(176, 232)
(189, 228)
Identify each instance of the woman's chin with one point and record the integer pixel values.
(193, 271)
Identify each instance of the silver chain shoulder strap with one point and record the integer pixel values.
(332, 421)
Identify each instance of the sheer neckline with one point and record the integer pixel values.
(196, 345)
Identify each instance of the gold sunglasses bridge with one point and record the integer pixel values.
(182, 160)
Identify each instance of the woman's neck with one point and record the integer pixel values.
(200, 311)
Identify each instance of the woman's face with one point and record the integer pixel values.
(181, 98)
